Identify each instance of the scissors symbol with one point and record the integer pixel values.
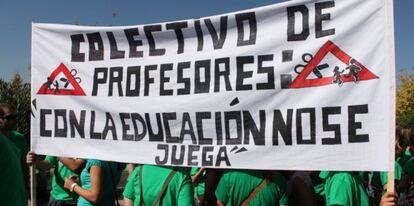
(73, 72)
(306, 58)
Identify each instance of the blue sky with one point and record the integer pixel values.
(16, 17)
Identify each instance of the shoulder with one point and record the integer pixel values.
(134, 176)
(342, 176)
(340, 181)
(135, 172)
(236, 173)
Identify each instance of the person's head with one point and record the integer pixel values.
(352, 61)
(401, 141)
(9, 117)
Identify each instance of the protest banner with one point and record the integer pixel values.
(300, 85)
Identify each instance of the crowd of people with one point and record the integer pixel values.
(77, 181)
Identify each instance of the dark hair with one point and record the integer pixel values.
(408, 133)
(401, 141)
(398, 132)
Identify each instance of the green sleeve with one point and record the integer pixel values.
(129, 190)
(221, 190)
(409, 167)
(52, 160)
(186, 192)
(340, 191)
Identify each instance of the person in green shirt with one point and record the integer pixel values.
(145, 185)
(98, 183)
(12, 187)
(408, 168)
(236, 186)
(63, 168)
(344, 188)
(9, 130)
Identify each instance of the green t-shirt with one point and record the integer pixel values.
(199, 188)
(236, 185)
(12, 188)
(110, 174)
(178, 192)
(344, 188)
(20, 141)
(60, 173)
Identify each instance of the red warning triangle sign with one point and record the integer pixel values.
(46, 87)
(301, 82)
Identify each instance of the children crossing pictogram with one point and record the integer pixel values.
(355, 71)
(337, 76)
(69, 78)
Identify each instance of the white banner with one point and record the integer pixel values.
(301, 85)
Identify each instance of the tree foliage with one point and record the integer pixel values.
(405, 100)
(17, 94)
